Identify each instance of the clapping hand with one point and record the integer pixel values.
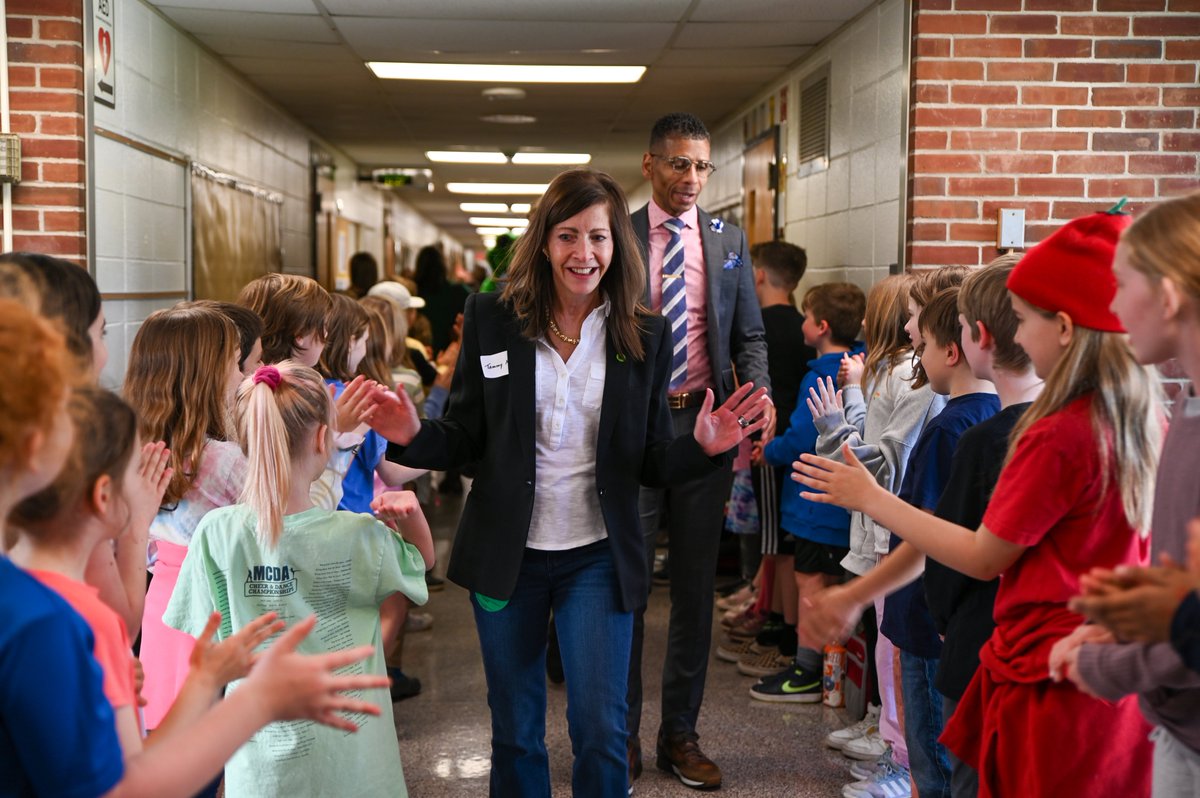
(1065, 654)
(308, 687)
(828, 616)
(850, 370)
(145, 493)
(744, 412)
(355, 402)
(232, 658)
(1135, 603)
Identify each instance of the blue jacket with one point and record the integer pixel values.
(801, 518)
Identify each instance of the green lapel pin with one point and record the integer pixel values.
(620, 357)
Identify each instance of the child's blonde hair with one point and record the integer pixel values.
(1165, 242)
(277, 411)
(346, 321)
(34, 378)
(290, 307)
(1126, 413)
(377, 364)
(176, 382)
(883, 327)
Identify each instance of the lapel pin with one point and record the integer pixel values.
(716, 225)
(620, 357)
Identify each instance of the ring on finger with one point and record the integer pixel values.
(743, 422)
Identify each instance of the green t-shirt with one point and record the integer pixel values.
(339, 566)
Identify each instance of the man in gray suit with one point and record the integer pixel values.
(699, 277)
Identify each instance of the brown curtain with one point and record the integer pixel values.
(236, 234)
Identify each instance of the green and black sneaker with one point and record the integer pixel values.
(793, 686)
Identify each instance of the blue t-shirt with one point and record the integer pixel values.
(799, 517)
(906, 619)
(358, 486)
(58, 738)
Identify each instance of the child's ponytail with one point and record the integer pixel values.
(277, 410)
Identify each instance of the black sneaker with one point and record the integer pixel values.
(792, 686)
(769, 637)
(403, 686)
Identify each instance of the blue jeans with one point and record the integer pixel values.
(927, 758)
(580, 586)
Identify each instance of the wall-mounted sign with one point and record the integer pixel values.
(104, 57)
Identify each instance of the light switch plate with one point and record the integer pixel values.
(1011, 229)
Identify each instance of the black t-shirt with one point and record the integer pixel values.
(961, 606)
(787, 359)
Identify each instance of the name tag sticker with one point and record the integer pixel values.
(494, 365)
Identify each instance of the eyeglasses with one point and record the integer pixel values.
(682, 163)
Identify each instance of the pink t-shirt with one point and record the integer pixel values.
(695, 279)
(112, 646)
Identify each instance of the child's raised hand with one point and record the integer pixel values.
(1065, 652)
(146, 489)
(295, 686)
(351, 408)
(232, 658)
(847, 485)
(394, 506)
(824, 400)
(850, 370)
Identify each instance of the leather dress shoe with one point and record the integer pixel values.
(680, 754)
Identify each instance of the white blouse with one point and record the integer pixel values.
(566, 506)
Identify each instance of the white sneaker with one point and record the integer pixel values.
(870, 723)
(889, 781)
(863, 770)
(867, 748)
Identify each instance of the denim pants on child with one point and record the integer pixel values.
(927, 758)
(594, 635)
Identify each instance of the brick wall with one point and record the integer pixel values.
(1059, 107)
(46, 99)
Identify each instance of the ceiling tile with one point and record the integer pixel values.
(536, 10)
(776, 11)
(249, 24)
(754, 34)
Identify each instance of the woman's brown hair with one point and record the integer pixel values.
(176, 383)
(346, 321)
(530, 289)
(290, 307)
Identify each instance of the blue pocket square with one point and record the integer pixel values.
(732, 261)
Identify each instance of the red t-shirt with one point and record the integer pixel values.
(1049, 499)
(112, 639)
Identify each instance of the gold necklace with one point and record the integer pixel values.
(561, 336)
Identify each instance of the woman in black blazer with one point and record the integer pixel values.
(559, 401)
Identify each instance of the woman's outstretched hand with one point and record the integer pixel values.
(394, 416)
(744, 412)
(847, 485)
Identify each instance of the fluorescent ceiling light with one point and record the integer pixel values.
(550, 158)
(465, 156)
(492, 221)
(507, 73)
(492, 231)
(483, 207)
(497, 188)
(520, 207)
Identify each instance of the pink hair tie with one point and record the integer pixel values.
(268, 374)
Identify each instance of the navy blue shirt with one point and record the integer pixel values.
(906, 619)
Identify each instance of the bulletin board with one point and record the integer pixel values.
(237, 233)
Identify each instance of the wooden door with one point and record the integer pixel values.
(759, 189)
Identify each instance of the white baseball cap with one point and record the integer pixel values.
(397, 293)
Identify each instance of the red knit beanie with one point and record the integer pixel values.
(1071, 270)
